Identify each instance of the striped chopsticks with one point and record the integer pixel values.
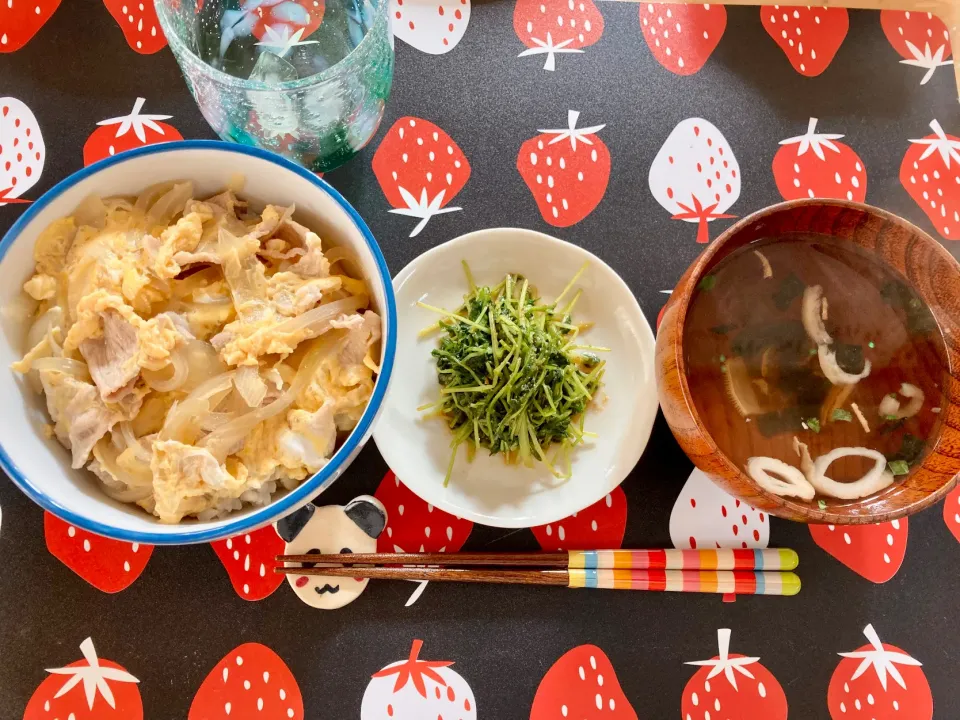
(741, 572)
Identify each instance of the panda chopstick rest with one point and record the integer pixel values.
(350, 528)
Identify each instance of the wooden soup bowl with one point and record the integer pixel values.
(916, 256)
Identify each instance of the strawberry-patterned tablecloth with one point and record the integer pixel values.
(666, 122)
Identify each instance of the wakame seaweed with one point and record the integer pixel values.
(919, 319)
(850, 357)
(512, 380)
(790, 289)
(787, 338)
(911, 447)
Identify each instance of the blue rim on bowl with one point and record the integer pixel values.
(309, 487)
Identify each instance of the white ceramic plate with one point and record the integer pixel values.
(487, 490)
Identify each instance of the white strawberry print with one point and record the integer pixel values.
(706, 517)
(22, 152)
(431, 26)
(695, 176)
(415, 689)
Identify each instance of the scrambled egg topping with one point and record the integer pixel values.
(195, 355)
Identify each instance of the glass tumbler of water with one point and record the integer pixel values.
(304, 78)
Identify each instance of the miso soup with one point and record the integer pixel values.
(810, 360)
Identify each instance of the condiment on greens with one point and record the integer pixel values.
(513, 379)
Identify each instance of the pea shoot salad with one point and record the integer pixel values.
(512, 378)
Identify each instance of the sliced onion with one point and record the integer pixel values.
(74, 368)
(812, 315)
(150, 195)
(341, 254)
(890, 406)
(214, 420)
(224, 439)
(91, 212)
(777, 477)
(317, 320)
(250, 386)
(877, 478)
(834, 373)
(125, 486)
(244, 274)
(170, 204)
(181, 369)
(192, 408)
(204, 363)
(133, 443)
(43, 324)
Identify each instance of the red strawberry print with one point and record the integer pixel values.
(415, 689)
(552, 27)
(420, 169)
(601, 525)
(416, 526)
(567, 171)
(109, 565)
(814, 165)
(682, 37)
(921, 38)
(808, 36)
(705, 517)
(249, 561)
(138, 20)
(88, 689)
(252, 681)
(433, 27)
(582, 684)
(20, 20)
(22, 152)
(874, 552)
(695, 175)
(878, 682)
(951, 512)
(732, 686)
(930, 172)
(285, 18)
(132, 131)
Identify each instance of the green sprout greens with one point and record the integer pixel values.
(839, 414)
(813, 424)
(512, 378)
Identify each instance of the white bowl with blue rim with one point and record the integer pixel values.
(39, 465)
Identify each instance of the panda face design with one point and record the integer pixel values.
(352, 528)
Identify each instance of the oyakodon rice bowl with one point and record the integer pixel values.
(211, 355)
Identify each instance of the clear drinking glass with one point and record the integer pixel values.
(304, 78)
